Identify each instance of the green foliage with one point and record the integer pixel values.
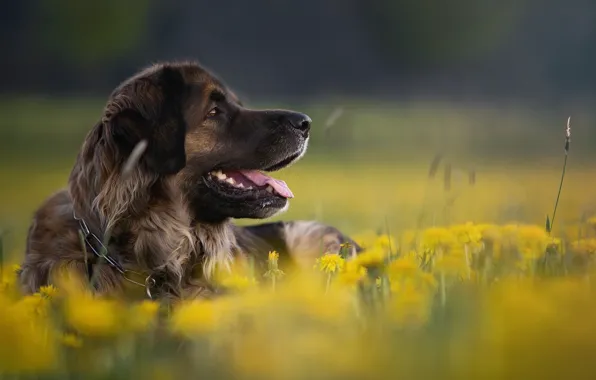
(89, 32)
(427, 31)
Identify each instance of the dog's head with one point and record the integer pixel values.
(198, 131)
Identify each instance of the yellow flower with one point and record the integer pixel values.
(330, 263)
(530, 233)
(273, 256)
(143, 315)
(403, 266)
(27, 340)
(584, 246)
(352, 273)
(93, 316)
(237, 282)
(193, 318)
(49, 291)
(34, 304)
(437, 237)
(490, 232)
(386, 242)
(71, 340)
(371, 257)
(467, 233)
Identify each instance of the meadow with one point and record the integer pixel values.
(460, 277)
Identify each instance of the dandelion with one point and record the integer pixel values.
(49, 291)
(92, 316)
(584, 246)
(385, 242)
(352, 274)
(193, 318)
(34, 304)
(437, 237)
(273, 271)
(237, 282)
(330, 263)
(273, 256)
(403, 266)
(372, 257)
(27, 340)
(467, 233)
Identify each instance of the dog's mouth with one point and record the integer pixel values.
(255, 182)
(250, 184)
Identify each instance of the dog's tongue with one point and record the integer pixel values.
(261, 179)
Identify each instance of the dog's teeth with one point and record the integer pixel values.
(249, 188)
(220, 175)
(230, 180)
(269, 189)
(240, 185)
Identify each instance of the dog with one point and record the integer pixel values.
(154, 188)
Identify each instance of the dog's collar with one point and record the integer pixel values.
(101, 251)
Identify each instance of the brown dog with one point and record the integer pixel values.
(198, 160)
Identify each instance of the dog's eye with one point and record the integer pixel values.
(214, 112)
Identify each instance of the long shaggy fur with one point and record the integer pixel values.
(154, 216)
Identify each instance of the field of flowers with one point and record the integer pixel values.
(464, 301)
(461, 277)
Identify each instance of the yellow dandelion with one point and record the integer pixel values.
(489, 232)
(386, 242)
(93, 316)
(49, 291)
(467, 233)
(531, 233)
(330, 263)
(237, 282)
(403, 266)
(437, 237)
(584, 246)
(27, 340)
(71, 340)
(273, 256)
(193, 318)
(352, 274)
(371, 257)
(143, 315)
(34, 304)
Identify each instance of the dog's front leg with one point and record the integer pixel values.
(298, 242)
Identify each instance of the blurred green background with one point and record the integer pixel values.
(389, 84)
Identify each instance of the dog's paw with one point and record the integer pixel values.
(307, 240)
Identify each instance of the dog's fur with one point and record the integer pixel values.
(163, 215)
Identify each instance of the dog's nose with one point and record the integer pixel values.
(300, 121)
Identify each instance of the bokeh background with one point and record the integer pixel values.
(390, 84)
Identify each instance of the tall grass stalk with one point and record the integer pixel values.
(567, 143)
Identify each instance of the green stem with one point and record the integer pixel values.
(552, 222)
(328, 283)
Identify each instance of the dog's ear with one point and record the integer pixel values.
(150, 108)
